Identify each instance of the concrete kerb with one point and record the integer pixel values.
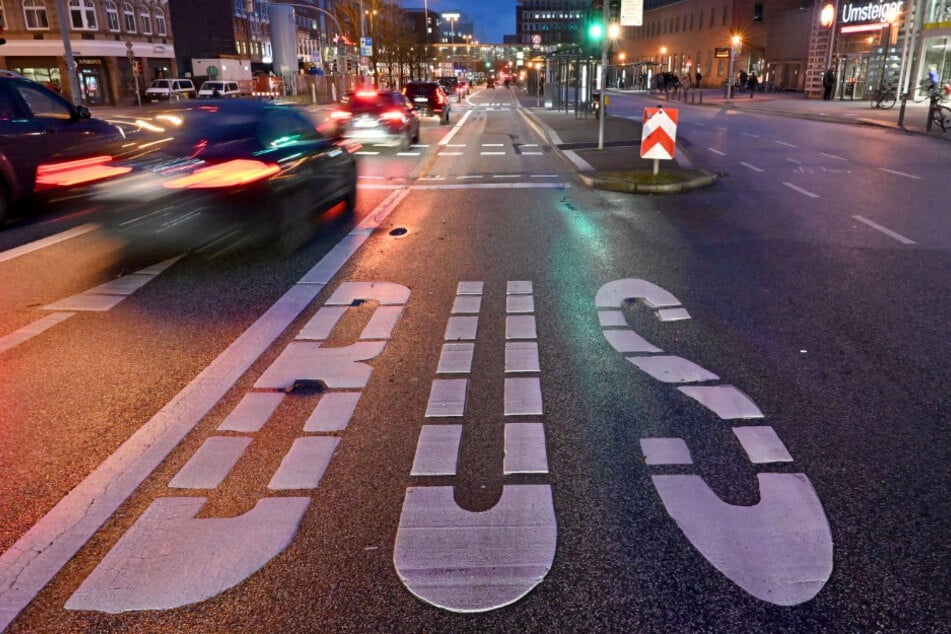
(617, 181)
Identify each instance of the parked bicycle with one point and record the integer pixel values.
(939, 114)
(884, 98)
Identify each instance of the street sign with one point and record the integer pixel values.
(632, 13)
(659, 134)
(536, 39)
(366, 46)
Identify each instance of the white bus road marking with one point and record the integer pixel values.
(778, 550)
(885, 230)
(475, 562)
(897, 173)
(29, 564)
(210, 464)
(800, 190)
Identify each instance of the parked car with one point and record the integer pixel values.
(229, 167)
(219, 89)
(170, 90)
(428, 99)
(377, 116)
(42, 138)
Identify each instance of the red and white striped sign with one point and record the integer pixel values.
(659, 134)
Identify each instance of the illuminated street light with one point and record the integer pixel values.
(734, 47)
(452, 17)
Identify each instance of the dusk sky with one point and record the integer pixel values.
(492, 18)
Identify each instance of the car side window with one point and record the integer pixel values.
(42, 104)
(8, 109)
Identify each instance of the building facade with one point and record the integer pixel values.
(116, 44)
(549, 23)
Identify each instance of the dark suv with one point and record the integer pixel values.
(429, 99)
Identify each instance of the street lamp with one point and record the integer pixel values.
(371, 15)
(452, 17)
(734, 47)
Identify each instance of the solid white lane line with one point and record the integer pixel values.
(752, 167)
(717, 151)
(45, 242)
(801, 190)
(491, 153)
(885, 230)
(29, 564)
(897, 173)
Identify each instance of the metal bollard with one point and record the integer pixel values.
(901, 111)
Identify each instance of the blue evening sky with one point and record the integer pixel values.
(491, 18)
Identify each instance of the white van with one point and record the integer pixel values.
(225, 90)
(170, 90)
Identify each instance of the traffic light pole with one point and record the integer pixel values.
(602, 76)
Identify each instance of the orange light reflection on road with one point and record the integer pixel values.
(231, 174)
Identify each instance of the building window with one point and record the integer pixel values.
(713, 17)
(724, 15)
(112, 15)
(128, 15)
(35, 13)
(145, 19)
(757, 13)
(160, 26)
(82, 15)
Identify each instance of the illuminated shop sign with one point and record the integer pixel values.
(853, 13)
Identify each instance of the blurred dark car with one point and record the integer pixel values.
(428, 99)
(381, 117)
(42, 136)
(490, 82)
(229, 165)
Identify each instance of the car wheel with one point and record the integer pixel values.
(296, 223)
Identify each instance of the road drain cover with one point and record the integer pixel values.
(399, 231)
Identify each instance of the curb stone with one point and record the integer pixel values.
(701, 179)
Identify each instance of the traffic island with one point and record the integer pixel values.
(646, 182)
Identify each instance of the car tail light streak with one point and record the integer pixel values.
(231, 174)
(393, 116)
(341, 115)
(70, 173)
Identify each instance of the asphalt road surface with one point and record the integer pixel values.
(495, 400)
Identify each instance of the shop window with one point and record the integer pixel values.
(112, 15)
(35, 13)
(82, 15)
(160, 27)
(128, 16)
(145, 19)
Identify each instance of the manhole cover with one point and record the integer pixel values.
(399, 231)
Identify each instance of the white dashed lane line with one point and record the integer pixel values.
(897, 173)
(752, 167)
(786, 144)
(802, 191)
(885, 230)
(717, 151)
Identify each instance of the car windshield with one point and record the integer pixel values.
(159, 83)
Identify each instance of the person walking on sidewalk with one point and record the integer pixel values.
(752, 84)
(828, 84)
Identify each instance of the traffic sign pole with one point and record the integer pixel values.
(602, 76)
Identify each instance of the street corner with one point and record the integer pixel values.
(646, 182)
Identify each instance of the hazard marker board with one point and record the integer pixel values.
(659, 134)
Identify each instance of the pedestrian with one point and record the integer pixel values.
(828, 84)
(933, 78)
(752, 84)
(699, 77)
(743, 79)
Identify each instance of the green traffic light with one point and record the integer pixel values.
(596, 31)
